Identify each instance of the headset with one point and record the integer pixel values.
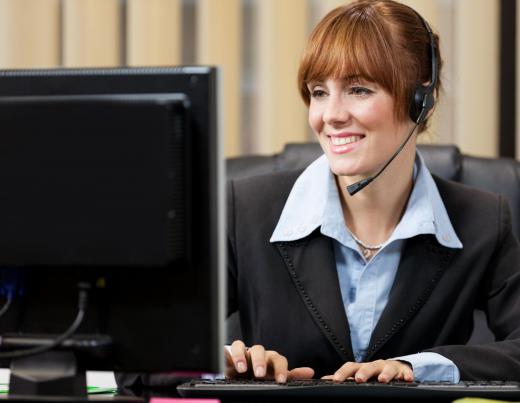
(421, 104)
(424, 99)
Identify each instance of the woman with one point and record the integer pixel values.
(381, 284)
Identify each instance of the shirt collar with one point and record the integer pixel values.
(304, 207)
(425, 212)
(314, 202)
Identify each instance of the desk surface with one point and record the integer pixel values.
(98, 379)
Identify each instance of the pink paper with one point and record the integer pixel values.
(180, 400)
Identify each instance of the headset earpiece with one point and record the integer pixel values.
(422, 103)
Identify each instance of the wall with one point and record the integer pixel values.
(258, 44)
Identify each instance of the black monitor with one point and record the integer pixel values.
(110, 192)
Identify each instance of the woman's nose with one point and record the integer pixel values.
(336, 111)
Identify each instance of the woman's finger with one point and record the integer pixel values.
(346, 371)
(278, 365)
(238, 356)
(389, 372)
(300, 373)
(368, 370)
(258, 360)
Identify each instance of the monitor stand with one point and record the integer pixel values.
(53, 373)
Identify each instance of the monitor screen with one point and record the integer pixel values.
(111, 187)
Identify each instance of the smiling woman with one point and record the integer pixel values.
(381, 284)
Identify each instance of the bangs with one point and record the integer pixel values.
(349, 50)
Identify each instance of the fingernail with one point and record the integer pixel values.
(281, 378)
(259, 371)
(241, 367)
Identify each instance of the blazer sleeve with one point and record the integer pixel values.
(501, 302)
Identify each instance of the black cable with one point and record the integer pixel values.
(82, 307)
(397, 152)
(7, 305)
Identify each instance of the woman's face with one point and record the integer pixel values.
(355, 124)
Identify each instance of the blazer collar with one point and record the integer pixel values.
(423, 263)
(312, 268)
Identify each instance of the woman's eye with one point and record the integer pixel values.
(317, 93)
(360, 91)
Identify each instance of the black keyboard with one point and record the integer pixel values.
(319, 388)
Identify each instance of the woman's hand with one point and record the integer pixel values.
(384, 370)
(257, 362)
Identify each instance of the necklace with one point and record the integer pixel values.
(367, 250)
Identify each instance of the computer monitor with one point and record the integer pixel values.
(111, 185)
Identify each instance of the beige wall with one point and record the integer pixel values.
(219, 43)
(281, 32)
(29, 33)
(91, 33)
(476, 76)
(153, 33)
(258, 56)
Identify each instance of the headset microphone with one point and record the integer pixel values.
(422, 102)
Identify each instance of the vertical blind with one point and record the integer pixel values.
(257, 44)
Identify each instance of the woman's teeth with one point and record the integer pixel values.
(339, 141)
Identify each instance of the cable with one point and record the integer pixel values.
(7, 305)
(356, 187)
(82, 307)
(10, 287)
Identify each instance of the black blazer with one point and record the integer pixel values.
(289, 298)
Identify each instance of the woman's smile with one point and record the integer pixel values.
(344, 142)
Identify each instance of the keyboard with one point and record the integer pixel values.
(319, 388)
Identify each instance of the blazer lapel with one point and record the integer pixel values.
(312, 267)
(422, 264)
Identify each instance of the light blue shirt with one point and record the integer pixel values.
(365, 286)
